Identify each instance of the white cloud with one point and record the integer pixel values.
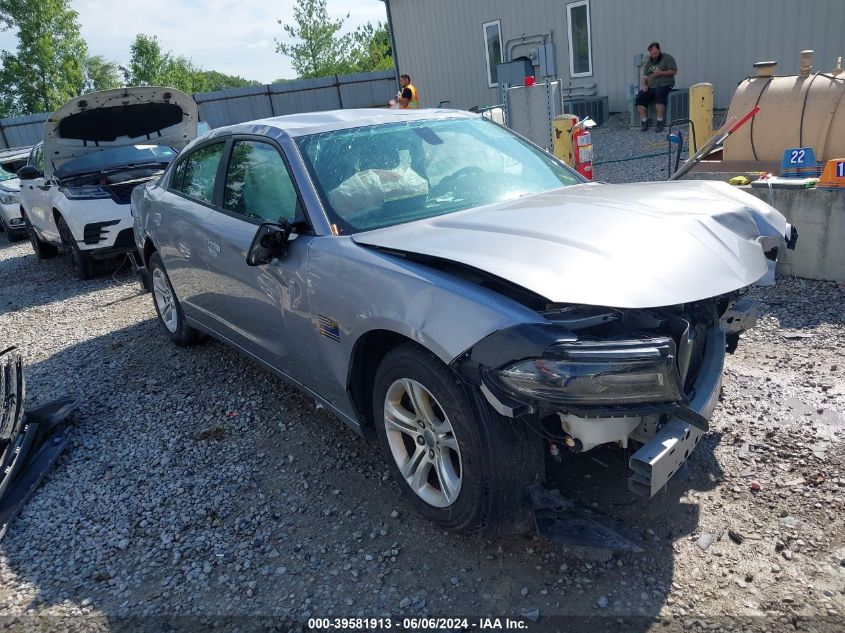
(230, 36)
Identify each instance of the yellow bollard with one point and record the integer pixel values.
(701, 115)
(563, 125)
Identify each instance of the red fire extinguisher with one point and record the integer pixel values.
(583, 150)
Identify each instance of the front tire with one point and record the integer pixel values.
(42, 249)
(81, 263)
(167, 306)
(429, 432)
(13, 235)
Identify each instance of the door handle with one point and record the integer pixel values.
(213, 247)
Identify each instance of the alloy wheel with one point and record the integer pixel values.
(165, 301)
(423, 443)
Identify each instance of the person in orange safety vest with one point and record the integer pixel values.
(409, 97)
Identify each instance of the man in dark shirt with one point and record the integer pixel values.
(657, 80)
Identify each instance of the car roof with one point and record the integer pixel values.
(331, 120)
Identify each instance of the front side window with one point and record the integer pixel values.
(377, 176)
(258, 184)
(580, 54)
(493, 51)
(199, 172)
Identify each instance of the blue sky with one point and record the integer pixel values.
(230, 36)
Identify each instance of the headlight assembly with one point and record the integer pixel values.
(599, 373)
(9, 198)
(85, 192)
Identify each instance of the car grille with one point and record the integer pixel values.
(96, 232)
(121, 193)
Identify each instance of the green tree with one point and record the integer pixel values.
(48, 67)
(317, 49)
(150, 65)
(101, 74)
(211, 80)
(371, 48)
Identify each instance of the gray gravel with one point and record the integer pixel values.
(616, 140)
(197, 483)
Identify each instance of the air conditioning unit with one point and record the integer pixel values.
(597, 108)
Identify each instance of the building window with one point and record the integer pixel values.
(580, 52)
(493, 48)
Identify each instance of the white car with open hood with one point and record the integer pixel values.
(97, 148)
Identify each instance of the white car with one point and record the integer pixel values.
(97, 148)
(11, 221)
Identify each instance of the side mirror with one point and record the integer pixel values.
(29, 172)
(270, 242)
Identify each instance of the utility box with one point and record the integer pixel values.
(546, 64)
(514, 73)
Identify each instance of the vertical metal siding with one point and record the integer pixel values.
(363, 90)
(440, 42)
(22, 131)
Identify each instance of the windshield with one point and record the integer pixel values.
(7, 172)
(126, 156)
(377, 176)
(10, 166)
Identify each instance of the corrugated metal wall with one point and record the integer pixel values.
(440, 42)
(22, 131)
(363, 90)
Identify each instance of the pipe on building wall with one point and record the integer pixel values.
(522, 39)
(392, 40)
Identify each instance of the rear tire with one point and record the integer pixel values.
(81, 263)
(167, 306)
(42, 249)
(439, 440)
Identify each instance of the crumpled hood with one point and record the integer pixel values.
(628, 246)
(146, 115)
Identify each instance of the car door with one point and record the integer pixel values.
(177, 217)
(35, 198)
(263, 309)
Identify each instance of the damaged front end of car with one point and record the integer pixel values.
(638, 378)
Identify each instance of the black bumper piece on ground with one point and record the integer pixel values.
(30, 441)
(565, 522)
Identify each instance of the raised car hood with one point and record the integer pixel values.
(123, 116)
(628, 246)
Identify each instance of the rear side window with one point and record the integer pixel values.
(258, 184)
(195, 176)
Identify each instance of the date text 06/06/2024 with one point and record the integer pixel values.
(416, 624)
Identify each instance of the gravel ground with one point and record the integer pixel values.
(197, 484)
(616, 140)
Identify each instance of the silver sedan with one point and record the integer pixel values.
(433, 277)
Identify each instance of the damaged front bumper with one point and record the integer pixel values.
(655, 463)
(666, 430)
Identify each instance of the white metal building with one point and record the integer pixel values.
(451, 47)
